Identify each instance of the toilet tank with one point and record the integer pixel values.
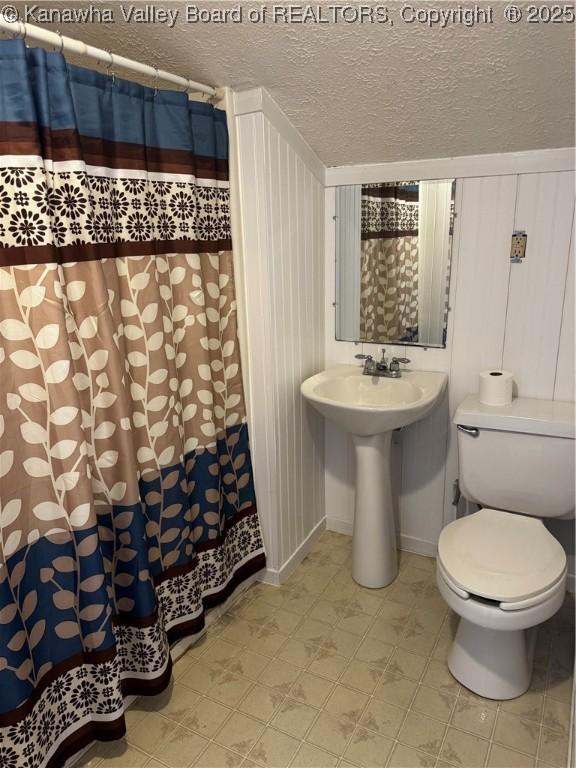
(518, 458)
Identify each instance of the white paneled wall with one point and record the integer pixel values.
(518, 316)
(281, 190)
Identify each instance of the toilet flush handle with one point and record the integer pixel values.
(472, 431)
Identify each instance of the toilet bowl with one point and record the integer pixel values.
(503, 574)
(499, 568)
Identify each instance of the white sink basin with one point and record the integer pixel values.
(368, 405)
(369, 408)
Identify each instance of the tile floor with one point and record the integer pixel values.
(322, 672)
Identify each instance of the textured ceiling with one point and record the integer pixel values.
(362, 93)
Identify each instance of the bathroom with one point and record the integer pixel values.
(287, 385)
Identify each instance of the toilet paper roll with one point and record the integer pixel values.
(496, 387)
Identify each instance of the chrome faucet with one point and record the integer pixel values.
(372, 368)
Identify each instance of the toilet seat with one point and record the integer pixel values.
(500, 556)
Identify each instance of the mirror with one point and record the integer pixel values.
(393, 246)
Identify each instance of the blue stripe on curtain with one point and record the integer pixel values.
(41, 87)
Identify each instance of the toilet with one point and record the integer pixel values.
(499, 568)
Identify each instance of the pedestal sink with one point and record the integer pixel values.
(370, 408)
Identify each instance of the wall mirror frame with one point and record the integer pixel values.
(393, 261)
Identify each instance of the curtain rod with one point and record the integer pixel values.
(70, 45)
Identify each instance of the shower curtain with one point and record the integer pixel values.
(126, 493)
(389, 262)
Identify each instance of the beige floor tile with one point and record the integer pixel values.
(476, 699)
(298, 603)
(361, 676)
(261, 702)
(553, 748)
(501, 757)
(240, 733)
(248, 664)
(240, 632)
(422, 732)
(528, 706)
(417, 642)
(218, 757)
(556, 715)
(424, 620)
(309, 756)
(330, 733)
(221, 652)
(274, 749)
(464, 749)
(366, 603)
(313, 631)
(473, 718)
(355, 622)
(404, 594)
(438, 676)
(387, 630)
(330, 611)
(560, 686)
(435, 703)
(297, 652)
(337, 591)
(442, 648)
(284, 622)
(153, 763)
(120, 754)
(395, 690)
(272, 595)
(516, 733)
(294, 717)
(422, 561)
(280, 675)
(150, 732)
(344, 702)
(328, 664)
(219, 684)
(374, 652)
(406, 664)
(341, 642)
(368, 749)
(407, 757)
(180, 749)
(175, 702)
(311, 689)
(415, 576)
(267, 643)
(257, 610)
(206, 718)
(383, 718)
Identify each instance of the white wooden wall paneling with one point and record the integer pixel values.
(281, 192)
(544, 209)
(564, 383)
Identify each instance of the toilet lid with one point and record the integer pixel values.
(500, 555)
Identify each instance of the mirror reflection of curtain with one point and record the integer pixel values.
(389, 262)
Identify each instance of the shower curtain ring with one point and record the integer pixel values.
(61, 41)
(110, 64)
(156, 76)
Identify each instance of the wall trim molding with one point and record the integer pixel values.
(259, 100)
(502, 164)
(277, 577)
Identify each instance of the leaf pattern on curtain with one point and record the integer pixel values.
(389, 262)
(127, 503)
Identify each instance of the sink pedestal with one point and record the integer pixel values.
(374, 557)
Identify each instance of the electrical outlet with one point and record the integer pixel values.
(518, 247)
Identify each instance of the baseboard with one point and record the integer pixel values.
(339, 526)
(417, 546)
(277, 577)
(407, 543)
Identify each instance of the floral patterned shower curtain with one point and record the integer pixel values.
(389, 262)
(127, 505)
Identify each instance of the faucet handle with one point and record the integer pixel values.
(363, 357)
(402, 360)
